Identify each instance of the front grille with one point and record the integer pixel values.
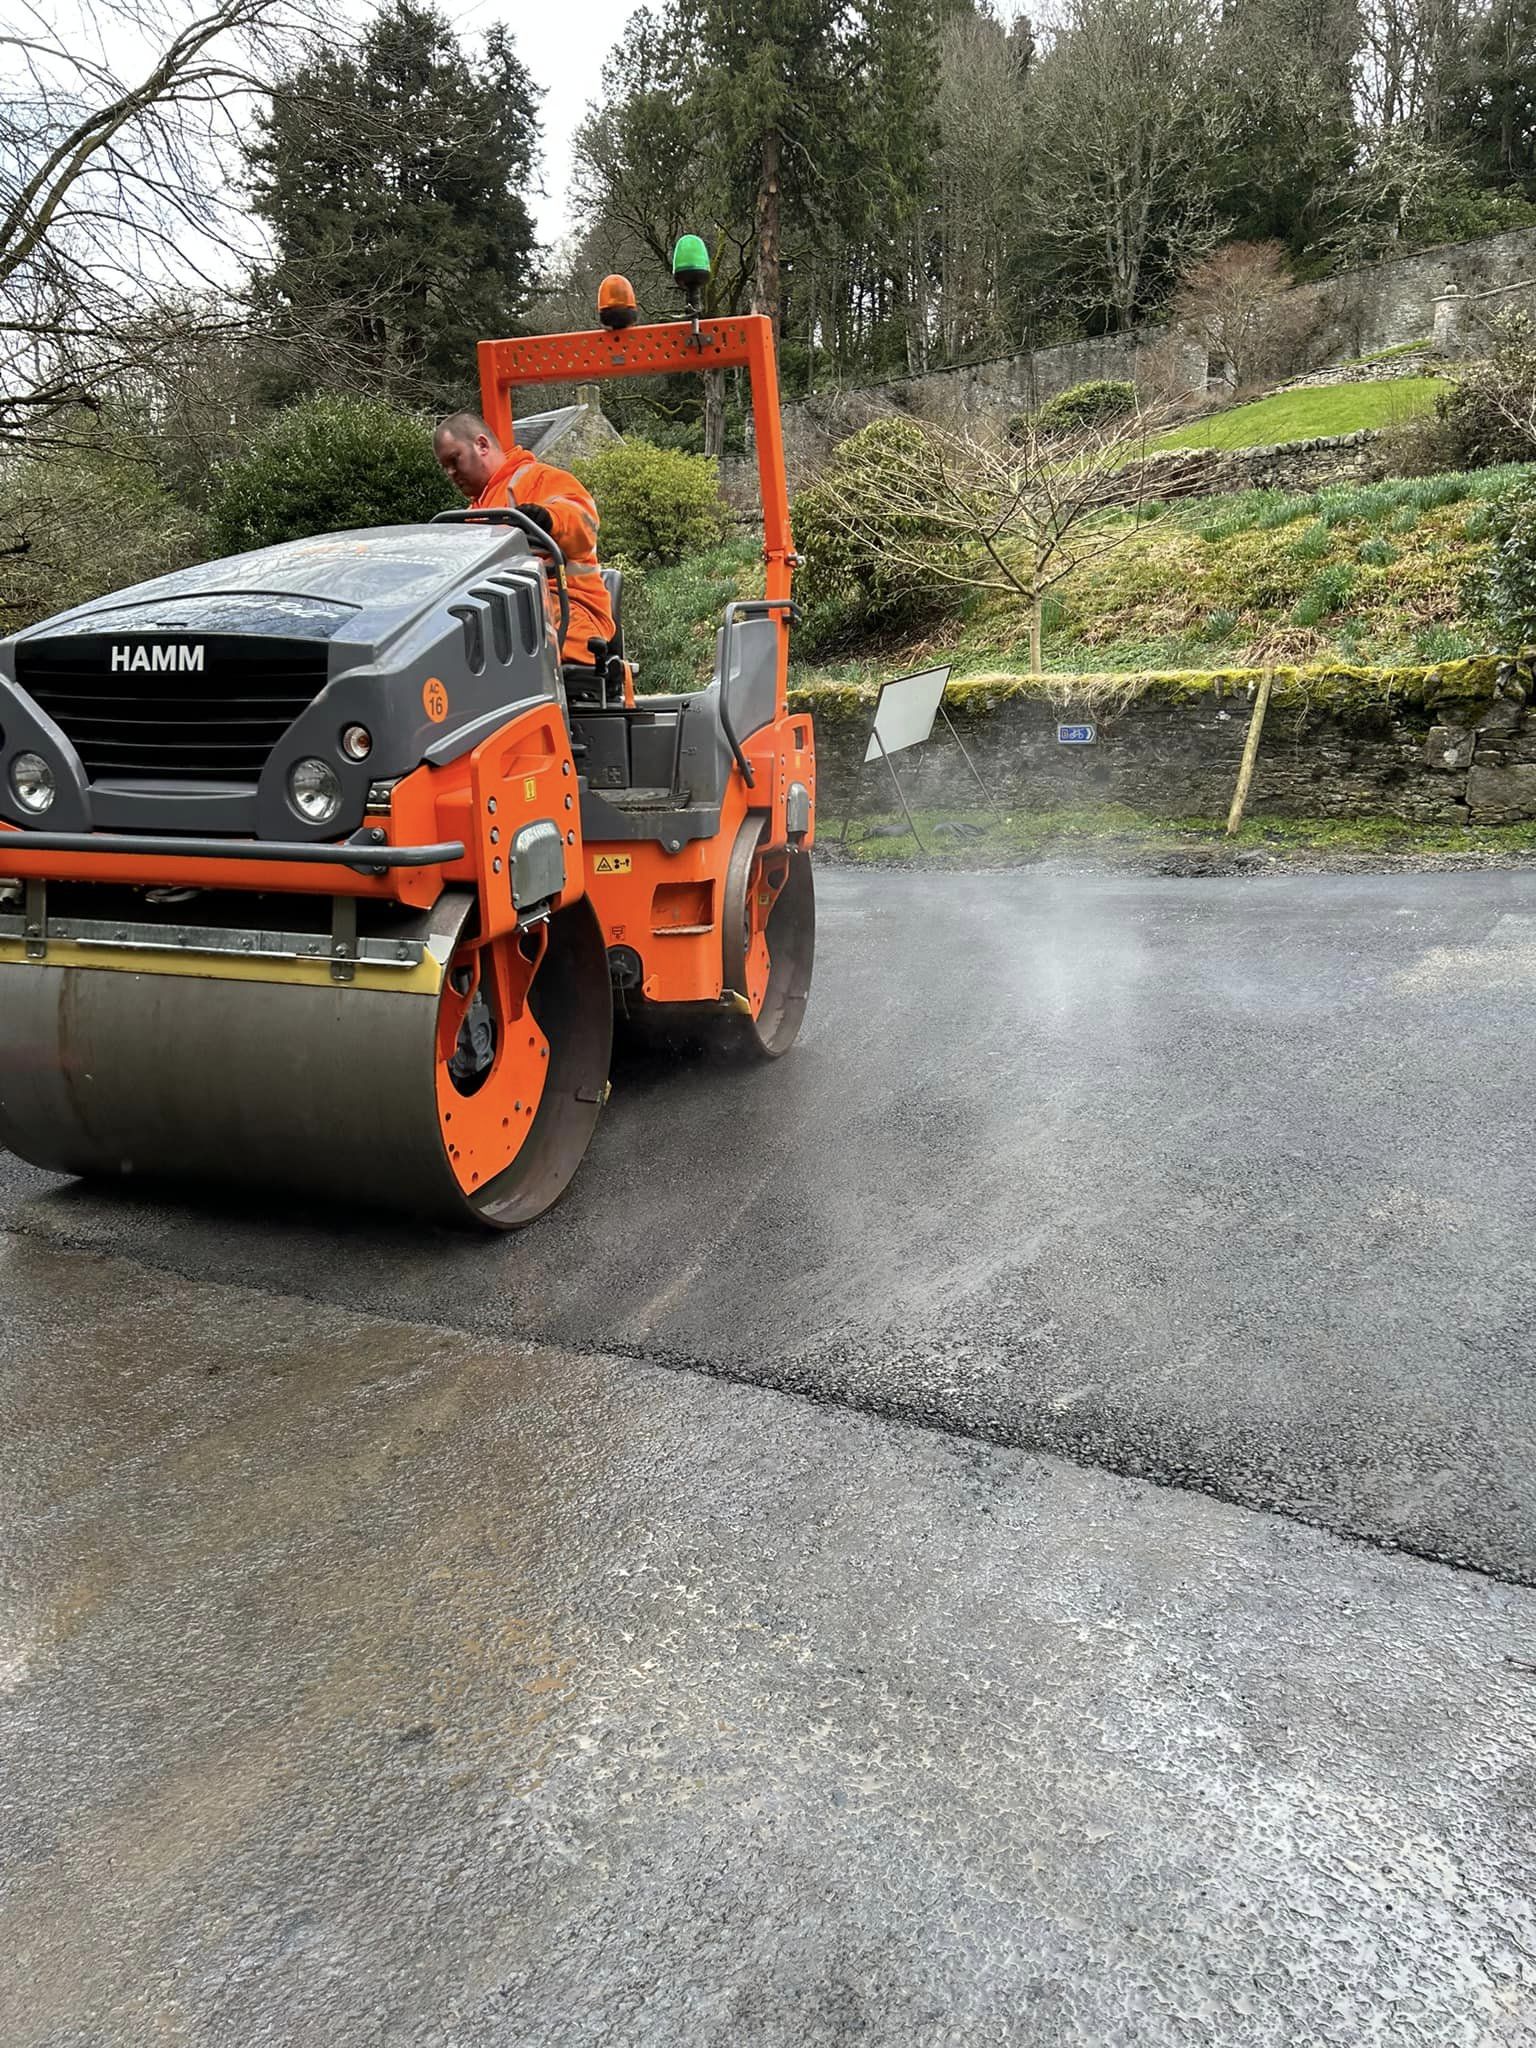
(217, 724)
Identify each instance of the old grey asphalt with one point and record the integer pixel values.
(397, 1645)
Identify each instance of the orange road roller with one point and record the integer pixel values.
(320, 872)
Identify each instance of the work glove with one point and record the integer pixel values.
(540, 515)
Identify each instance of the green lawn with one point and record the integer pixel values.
(1388, 355)
(1305, 415)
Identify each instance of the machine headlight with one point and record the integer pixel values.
(314, 790)
(357, 742)
(33, 783)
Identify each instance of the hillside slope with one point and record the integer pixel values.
(1369, 573)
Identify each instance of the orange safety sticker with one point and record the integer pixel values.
(434, 700)
(613, 864)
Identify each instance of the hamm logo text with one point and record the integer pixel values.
(179, 659)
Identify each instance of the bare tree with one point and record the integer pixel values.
(119, 227)
(979, 123)
(1410, 52)
(1398, 177)
(1236, 303)
(1007, 512)
(1125, 133)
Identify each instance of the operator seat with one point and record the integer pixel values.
(613, 583)
(595, 682)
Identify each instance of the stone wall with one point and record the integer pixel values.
(1449, 745)
(1464, 321)
(1153, 357)
(1184, 472)
(1289, 466)
(1385, 304)
(1422, 363)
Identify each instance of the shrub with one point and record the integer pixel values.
(1477, 432)
(1314, 544)
(1441, 490)
(1501, 596)
(850, 587)
(1086, 405)
(1214, 531)
(81, 522)
(326, 465)
(1420, 447)
(1442, 643)
(1285, 511)
(1237, 303)
(656, 504)
(1340, 504)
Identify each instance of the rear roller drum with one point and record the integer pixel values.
(768, 940)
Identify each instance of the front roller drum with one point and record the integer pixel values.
(471, 1102)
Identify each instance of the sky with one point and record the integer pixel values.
(563, 43)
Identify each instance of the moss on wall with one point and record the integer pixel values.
(1339, 739)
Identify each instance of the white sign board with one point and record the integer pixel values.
(905, 713)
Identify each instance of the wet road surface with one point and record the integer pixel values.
(400, 1641)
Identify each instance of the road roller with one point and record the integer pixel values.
(321, 873)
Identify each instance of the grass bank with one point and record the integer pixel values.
(1366, 574)
(1309, 414)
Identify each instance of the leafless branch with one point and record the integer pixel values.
(118, 228)
(1012, 513)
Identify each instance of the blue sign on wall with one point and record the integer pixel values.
(1076, 735)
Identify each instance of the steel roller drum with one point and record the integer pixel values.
(230, 1075)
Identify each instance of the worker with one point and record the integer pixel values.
(477, 464)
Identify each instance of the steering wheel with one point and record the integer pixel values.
(532, 532)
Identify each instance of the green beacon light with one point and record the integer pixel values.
(690, 266)
(690, 263)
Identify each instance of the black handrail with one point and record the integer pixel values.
(530, 529)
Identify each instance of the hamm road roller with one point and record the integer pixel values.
(321, 872)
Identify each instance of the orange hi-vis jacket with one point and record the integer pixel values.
(523, 480)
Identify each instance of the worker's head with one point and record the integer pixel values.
(468, 451)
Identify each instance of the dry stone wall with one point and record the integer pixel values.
(1288, 466)
(1449, 745)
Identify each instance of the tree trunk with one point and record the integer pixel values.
(917, 331)
(714, 412)
(765, 296)
(1036, 629)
